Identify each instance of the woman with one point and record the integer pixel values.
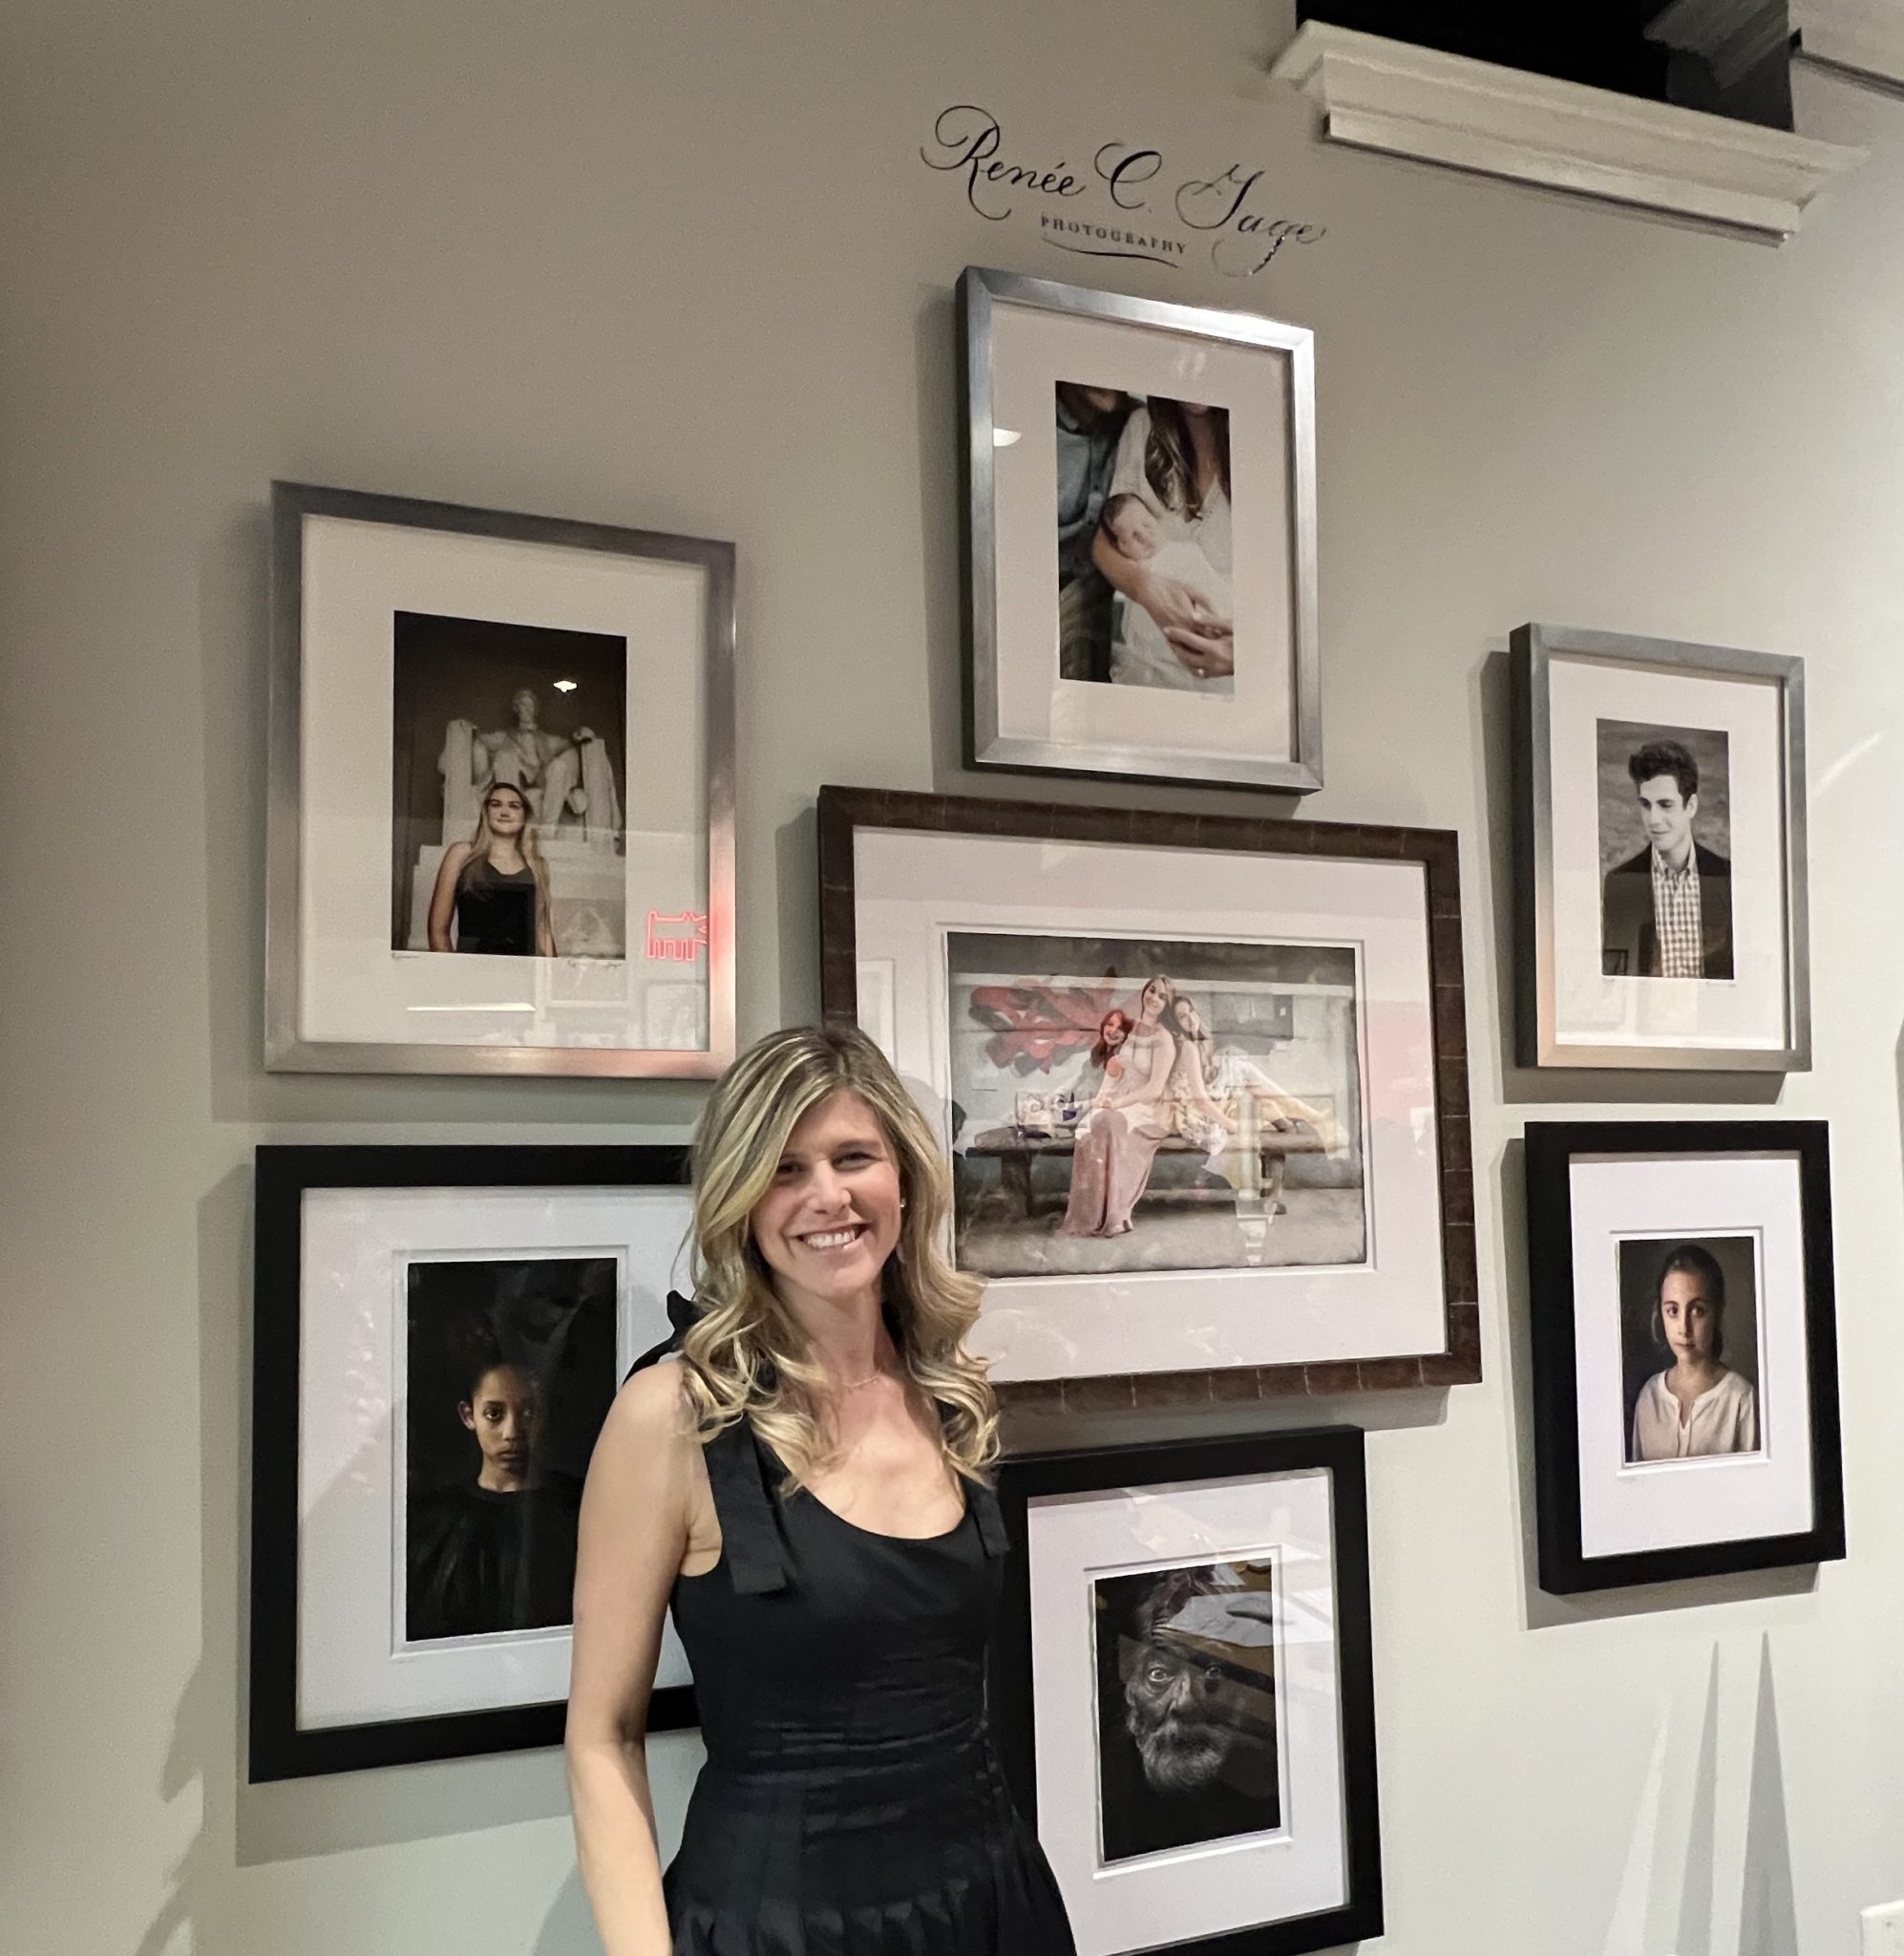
(496, 885)
(1197, 1115)
(496, 1552)
(1175, 456)
(806, 1486)
(1117, 1141)
(1111, 1036)
(1696, 1405)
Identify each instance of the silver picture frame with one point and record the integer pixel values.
(989, 745)
(1541, 1038)
(287, 1048)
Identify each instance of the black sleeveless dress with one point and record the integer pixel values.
(496, 914)
(851, 1804)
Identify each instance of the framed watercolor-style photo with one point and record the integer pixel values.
(1661, 854)
(1185, 1693)
(1202, 1083)
(1141, 536)
(502, 793)
(1684, 1349)
(438, 1333)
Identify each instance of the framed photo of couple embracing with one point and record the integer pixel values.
(1202, 1082)
(1661, 854)
(1141, 538)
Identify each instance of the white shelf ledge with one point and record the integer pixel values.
(1866, 36)
(1410, 101)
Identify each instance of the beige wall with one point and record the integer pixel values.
(677, 264)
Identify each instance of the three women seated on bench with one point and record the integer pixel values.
(1159, 1082)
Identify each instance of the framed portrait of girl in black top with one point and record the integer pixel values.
(439, 1334)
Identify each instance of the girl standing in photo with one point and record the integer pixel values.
(495, 887)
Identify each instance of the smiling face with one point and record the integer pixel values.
(504, 1413)
(831, 1215)
(1667, 814)
(505, 811)
(1152, 1000)
(1114, 1031)
(1189, 1020)
(1689, 1318)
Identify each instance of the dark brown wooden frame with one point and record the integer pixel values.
(1458, 1363)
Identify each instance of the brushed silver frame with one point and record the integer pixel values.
(284, 1050)
(1534, 647)
(978, 291)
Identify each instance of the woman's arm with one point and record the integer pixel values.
(443, 898)
(633, 1537)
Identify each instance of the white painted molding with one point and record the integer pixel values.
(1866, 36)
(1410, 102)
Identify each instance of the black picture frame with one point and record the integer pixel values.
(1550, 1147)
(279, 1747)
(1339, 1450)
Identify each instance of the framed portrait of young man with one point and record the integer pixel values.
(1684, 1349)
(1202, 1082)
(438, 1333)
(1660, 838)
(1140, 537)
(502, 793)
(1184, 1682)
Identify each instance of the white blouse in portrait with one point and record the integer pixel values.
(1723, 1419)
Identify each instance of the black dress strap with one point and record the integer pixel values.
(680, 1315)
(751, 1546)
(983, 1501)
(752, 1543)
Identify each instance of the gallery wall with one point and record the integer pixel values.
(680, 266)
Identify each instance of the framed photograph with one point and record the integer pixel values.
(437, 1335)
(1141, 538)
(1661, 854)
(1202, 1081)
(1186, 1700)
(1684, 1349)
(502, 793)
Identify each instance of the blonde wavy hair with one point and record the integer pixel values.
(745, 1355)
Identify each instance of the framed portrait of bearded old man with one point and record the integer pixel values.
(1202, 1082)
(1186, 1702)
(1141, 536)
(1659, 835)
(501, 821)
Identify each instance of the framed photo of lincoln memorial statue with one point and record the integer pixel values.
(1660, 853)
(502, 789)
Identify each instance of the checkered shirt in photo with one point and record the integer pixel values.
(1675, 918)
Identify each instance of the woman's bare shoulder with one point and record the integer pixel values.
(653, 1409)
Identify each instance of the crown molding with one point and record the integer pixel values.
(1866, 36)
(1410, 102)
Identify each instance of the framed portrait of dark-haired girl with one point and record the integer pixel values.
(1684, 1349)
(502, 793)
(438, 1333)
(1202, 1082)
(1140, 538)
(1659, 845)
(1184, 1682)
